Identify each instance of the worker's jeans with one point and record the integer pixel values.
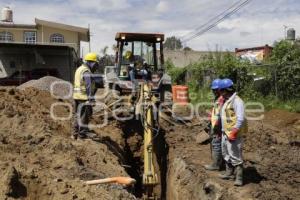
(232, 150)
(82, 117)
(216, 144)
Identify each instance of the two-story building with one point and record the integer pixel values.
(43, 32)
(42, 46)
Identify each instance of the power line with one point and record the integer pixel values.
(212, 19)
(218, 21)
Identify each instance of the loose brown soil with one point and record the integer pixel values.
(38, 160)
(272, 162)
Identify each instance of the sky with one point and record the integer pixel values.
(258, 23)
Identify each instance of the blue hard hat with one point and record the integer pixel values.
(215, 84)
(225, 83)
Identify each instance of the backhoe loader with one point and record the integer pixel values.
(139, 74)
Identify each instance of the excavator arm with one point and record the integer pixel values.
(147, 106)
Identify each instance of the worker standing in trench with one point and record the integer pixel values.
(215, 128)
(234, 124)
(84, 96)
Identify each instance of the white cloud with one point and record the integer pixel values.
(162, 6)
(258, 23)
(101, 5)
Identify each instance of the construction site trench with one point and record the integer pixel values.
(39, 160)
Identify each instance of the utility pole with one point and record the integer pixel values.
(175, 43)
(89, 39)
(285, 34)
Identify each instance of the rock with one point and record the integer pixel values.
(201, 137)
(64, 191)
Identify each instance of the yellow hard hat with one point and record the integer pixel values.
(128, 54)
(91, 57)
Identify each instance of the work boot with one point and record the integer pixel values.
(228, 173)
(216, 164)
(239, 176)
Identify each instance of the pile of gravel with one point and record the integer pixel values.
(60, 88)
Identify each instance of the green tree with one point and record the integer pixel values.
(105, 60)
(187, 49)
(173, 43)
(286, 70)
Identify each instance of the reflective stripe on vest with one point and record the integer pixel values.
(230, 118)
(79, 91)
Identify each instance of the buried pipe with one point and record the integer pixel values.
(120, 180)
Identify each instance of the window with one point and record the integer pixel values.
(6, 36)
(57, 38)
(142, 51)
(30, 37)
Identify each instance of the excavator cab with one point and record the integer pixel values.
(139, 58)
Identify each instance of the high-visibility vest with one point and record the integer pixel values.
(79, 91)
(215, 114)
(229, 118)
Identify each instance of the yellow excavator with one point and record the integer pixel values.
(147, 107)
(139, 73)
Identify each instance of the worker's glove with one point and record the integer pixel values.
(233, 134)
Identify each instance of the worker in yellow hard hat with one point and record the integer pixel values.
(128, 55)
(83, 95)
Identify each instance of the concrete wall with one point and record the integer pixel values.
(182, 58)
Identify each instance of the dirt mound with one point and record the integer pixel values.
(53, 85)
(38, 160)
(272, 155)
(282, 118)
(285, 126)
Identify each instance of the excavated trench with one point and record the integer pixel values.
(270, 153)
(133, 155)
(177, 178)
